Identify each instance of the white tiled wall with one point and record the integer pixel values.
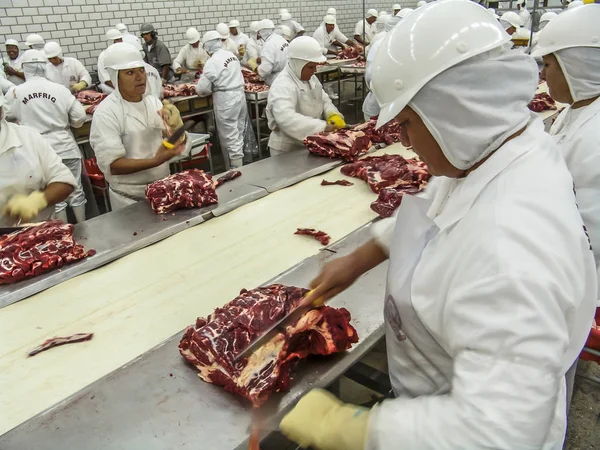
(79, 25)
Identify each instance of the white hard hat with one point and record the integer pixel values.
(11, 42)
(113, 34)
(396, 7)
(121, 27)
(400, 71)
(34, 39)
(223, 30)
(329, 19)
(286, 16)
(331, 12)
(266, 24)
(492, 11)
(52, 49)
(307, 49)
(283, 11)
(421, 3)
(192, 35)
(512, 19)
(575, 4)
(405, 13)
(559, 34)
(547, 17)
(254, 26)
(284, 31)
(122, 56)
(34, 56)
(372, 13)
(211, 36)
(234, 23)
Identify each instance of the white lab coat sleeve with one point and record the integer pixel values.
(179, 61)
(5, 84)
(82, 73)
(103, 75)
(77, 114)
(383, 232)
(321, 37)
(205, 83)
(105, 139)
(11, 106)
(53, 169)
(267, 61)
(251, 50)
(507, 335)
(282, 101)
(359, 28)
(328, 106)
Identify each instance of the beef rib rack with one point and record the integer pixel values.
(188, 189)
(213, 342)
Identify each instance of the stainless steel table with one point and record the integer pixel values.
(157, 402)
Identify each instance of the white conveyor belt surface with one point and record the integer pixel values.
(140, 300)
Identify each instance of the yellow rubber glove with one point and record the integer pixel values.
(171, 115)
(25, 207)
(79, 86)
(337, 121)
(252, 63)
(242, 50)
(322, 422)
(200, 64)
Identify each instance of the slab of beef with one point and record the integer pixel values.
(338, 182)
(179, 90)
(32, 251)
(213, 342)
(349, 53)
(56, 341)
(231, 175)
(320, 236)
(188, 189)
(89, 97)
(542, 102)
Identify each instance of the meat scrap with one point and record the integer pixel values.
(36, 250)
(231, 175)
(338, 182)
(251, 76)
(350, 53)
(542, 102)
(56, 341)
(320, 236)
(90, 98)
(179, 90)
(188, 189)
(255, 87)
(213, 342)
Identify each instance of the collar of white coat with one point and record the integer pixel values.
(9, 138)
(302, 85)
(454, 198)
(588, 113)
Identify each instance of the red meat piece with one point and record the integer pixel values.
(320, 236)
(89, 97)
(338, 182)
(188, 189)
(179, 90)
(542, 102)
(56, 341)
(231, 175)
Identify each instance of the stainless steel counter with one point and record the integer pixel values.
(157, 401)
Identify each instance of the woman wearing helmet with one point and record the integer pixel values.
(297, 105)
(491, 283)
(572, 71)
(192, 56)
(127, 129)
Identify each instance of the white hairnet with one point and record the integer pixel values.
(213, 45)
(297, 65)
(37, 69)
(467, 118)
(581, 67)
(394, 20)
(265, 33)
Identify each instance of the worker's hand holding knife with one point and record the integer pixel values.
(171, 116)
(337, 121)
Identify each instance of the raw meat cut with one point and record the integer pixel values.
(542, 102)
(213, 342)
(350, 53)
(251, 76)
(90, 98)
(32, 251)
(320, 236)
(351, 143)
(179, 90)
(231, 175)
(56, 341)
(388, 201)
(188, 189)
(338, 182)
(254, 87)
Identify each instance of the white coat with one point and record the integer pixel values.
(51, 110)
(326, 39)
(525, 18)
(189, 57)
(103, 75)
(294, 26)
(132, 39)
(222, 76)
(491, 291)
(5, 84)
(296, 109)
(273, 58)
(240, 39)
(121, 129)
(70, 72)
(27, 164)
(370, 30)
(18, 66)
(253, 49)
(370, 106)
(577, 133)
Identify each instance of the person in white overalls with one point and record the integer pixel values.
(572, 71)
(128, 129)
(491, 285)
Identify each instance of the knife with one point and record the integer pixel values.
(279, 326)
(172, 140)
(18, 227)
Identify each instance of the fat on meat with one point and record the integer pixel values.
(39, 249)
(90, 98)
(212, 344)
(188, 189)
(179, 90)
(542, 102)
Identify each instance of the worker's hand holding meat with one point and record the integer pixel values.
(25, 207)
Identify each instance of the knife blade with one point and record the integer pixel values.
(279, 326)
(172, 140)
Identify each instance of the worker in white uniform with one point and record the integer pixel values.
(192, 56)
(32, 176)
(5, 85)
(366, 27)
(524, 14)
(239, 38)
(13, 68)
(273, 56)
(491, 283)
(35, 41)
(284, 31)
(544, 20)
(297, 105)
(222, 76)
(512, 24)
(127, 130)
(228, 44)
(129, 38)
(330, 38)
(297, 29)
(370, 106)
(575, 4)
(253, 47)
(65, 70)
(113, 36)
(51, 110)
(572, 71)
(380, 23)
(396, 8)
